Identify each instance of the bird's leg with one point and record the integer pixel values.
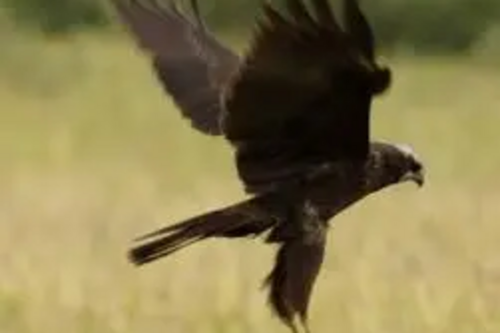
(294, 327)
(299, 325)
(305, 325)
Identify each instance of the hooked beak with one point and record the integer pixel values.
(415, 176)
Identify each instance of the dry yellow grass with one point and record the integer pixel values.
(92, 154)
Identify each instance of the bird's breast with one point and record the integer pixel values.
(336, 190)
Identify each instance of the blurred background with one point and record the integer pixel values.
(93, 154)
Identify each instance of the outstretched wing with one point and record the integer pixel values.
(298, 263)
(191, 64)
(303, 93)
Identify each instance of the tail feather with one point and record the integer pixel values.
(243, 219)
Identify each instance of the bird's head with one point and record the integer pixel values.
(396, 163)
(412, 168)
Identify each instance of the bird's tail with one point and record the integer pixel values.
(247, 218)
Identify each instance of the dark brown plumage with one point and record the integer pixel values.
(191, 64)
(296, 108)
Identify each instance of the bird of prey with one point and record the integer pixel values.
(296, 109)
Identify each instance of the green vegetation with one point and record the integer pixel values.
(92, 154)
(56, 16)
(427, 26)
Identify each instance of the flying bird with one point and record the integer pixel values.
(296, 109)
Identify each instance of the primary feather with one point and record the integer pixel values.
(190, 63)
(302, 96)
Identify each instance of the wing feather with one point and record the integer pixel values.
(302, 95)
(191, 64)
(324, 14)
(358, 28)
(299, 12)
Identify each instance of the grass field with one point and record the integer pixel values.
(92, 154)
